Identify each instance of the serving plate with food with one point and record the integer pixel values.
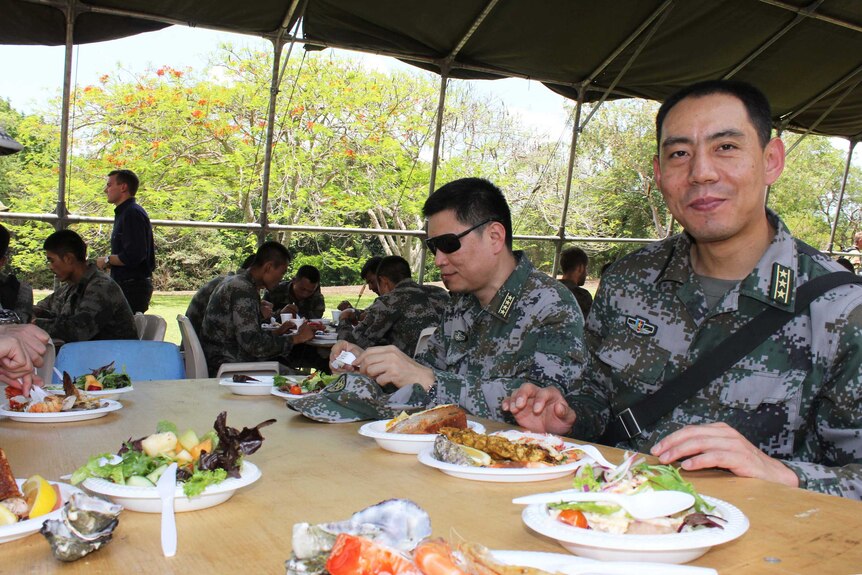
(412, 433)
(101, 382)
(211, 467)
(242, 384)
(603, 529)
(504, 457)
(296, 386)
(103, 408)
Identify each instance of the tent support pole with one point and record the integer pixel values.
(573, 153)
(435, 158)
(62, 209)
(277, 45)
(841, 194)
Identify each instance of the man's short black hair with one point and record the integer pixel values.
(473, 200)
(247, 262)
(271, 252)
(127, 177)
(64, 242)
(310, 273)
(395, 268)
(4, 241)
(573, 257)
(755, 102)
(370, 267)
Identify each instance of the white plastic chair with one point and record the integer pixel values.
(196, 363)
(150, 327)
(424, 336)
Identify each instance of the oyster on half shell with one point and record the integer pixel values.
(85, 525)
(397, 523)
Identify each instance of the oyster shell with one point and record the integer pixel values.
(397, 523)
(450, 452)
(85, 525)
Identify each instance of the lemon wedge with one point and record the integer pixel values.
(40, 496)
(6, 516)
(479, 458)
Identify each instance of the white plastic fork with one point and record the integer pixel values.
(595, 454)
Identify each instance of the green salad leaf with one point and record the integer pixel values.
(201, 479)
(668, 478)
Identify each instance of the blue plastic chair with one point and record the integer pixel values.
(142, 360)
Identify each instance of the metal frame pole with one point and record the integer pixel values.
(573, 152)
(277, 46)
(62, 209)
(841, 194)
(435, 158)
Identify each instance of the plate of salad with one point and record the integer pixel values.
(296, 386)
(211, 467)
(102, 381)
(605, 531)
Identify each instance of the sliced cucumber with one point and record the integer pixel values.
(139, 481)
(156, 473)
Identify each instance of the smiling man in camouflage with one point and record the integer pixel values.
(507, 323)
(789, 411)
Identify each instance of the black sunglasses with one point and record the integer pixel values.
(449, 243)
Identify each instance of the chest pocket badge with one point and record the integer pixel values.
(640, 326)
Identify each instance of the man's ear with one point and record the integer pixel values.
(773, 159)
(497, 233)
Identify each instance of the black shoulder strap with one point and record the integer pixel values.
(629, 422)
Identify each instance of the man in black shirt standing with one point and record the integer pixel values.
(133, 254)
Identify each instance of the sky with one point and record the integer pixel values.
(31, 75)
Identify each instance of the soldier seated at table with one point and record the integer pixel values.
(300, 296)
(573, 263)
(402, 311)
(349, 313)
(16, 297)
(198, 304)
(231, 328)
(506, 323)
(89, 305)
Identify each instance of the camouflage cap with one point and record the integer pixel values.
(354, 397)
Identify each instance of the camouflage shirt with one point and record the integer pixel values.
(93, 308)
(796, 396)
(231, 332)
(19, 294)
(397, 317)
(198, 304)
(310, 308)
(532, 330)
(583, 297)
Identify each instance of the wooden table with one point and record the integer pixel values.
(316, 472)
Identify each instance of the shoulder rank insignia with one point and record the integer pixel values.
(782, 284)
(640, 326)
(505, 307)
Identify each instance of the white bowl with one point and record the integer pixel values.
(24, 528)
(667, 548)
(411, 443)
(263, 385)
(146, 499)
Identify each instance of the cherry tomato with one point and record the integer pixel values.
(574, 518)
(295, 390)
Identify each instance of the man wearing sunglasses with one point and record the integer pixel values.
(506, 324)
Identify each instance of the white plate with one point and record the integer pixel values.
(108, 405)
(411, 443)
(261, 387)
(104, 393)
(297, 379)
(24, 528)
(563, 563)
(146, 499)
(668, 548)
(504, 474)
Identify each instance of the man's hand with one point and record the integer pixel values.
(719, 445)
(266, 309)
(33, 339)
(102, 263)
(340, 346)
(304, 333)
(347, 315)
(388, 364)
(540, 409)
(290, 308)
(344, 305)
(16, 369)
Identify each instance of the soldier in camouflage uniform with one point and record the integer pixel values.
(507, 323)
(787, 412)
(198, 304)
(402, 311)
(231, 330)
(301, 295)
(90, 305)
(15, 296)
